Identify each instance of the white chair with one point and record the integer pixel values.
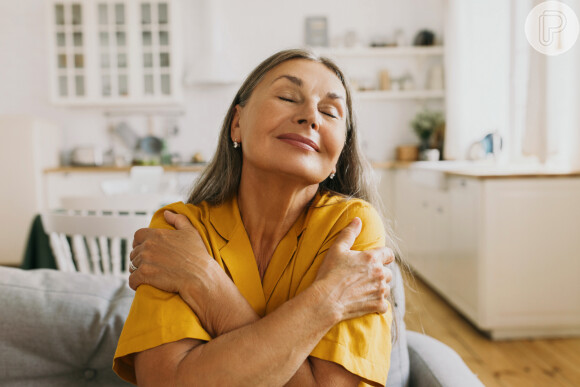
(96, 240)
(145, 203)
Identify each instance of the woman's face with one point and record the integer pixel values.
(294, 122)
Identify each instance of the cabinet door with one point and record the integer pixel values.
(532, 255)
(423, 220)
(68, 40)
(156, 52)
(114, 80)
(464, 246)
(406, 213)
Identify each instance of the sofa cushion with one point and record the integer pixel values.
(60, 329)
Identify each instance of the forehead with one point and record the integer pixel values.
(312, 73)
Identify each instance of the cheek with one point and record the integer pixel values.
(260, 120)
(335, 145)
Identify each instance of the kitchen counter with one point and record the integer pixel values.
(481, 235)
(487, 170)
(479, 170)
(194, 167)
(167, 168)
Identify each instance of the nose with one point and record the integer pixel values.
(313, 125)
(309, 115)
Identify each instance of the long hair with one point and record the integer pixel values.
(354, 176)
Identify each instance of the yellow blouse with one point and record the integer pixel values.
(361, 345)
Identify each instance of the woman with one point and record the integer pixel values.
(274, 271)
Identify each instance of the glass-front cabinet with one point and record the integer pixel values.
(107, 52)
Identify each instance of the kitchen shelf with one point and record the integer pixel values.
(402, 94)
(359, 52)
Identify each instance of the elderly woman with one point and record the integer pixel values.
(274, 273)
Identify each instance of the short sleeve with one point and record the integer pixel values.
(155, 318)
(361, 345)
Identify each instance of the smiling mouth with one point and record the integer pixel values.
(299, 141)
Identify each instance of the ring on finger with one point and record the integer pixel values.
(132, 267)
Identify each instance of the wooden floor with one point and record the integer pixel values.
(526, 363)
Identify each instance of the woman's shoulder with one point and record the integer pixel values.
(194, 212)
(329, 204)
(331, 213)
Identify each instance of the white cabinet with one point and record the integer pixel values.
(122, 52)
(69, 183)
(422, 221)
(505, 252)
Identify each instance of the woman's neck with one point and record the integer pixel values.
(269, 205)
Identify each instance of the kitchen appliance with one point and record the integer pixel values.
(424, 38)
(87, 156)
(489, 146)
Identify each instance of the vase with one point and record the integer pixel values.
(430, 155)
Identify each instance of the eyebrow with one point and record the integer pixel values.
(298, 82)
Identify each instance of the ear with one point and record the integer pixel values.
(235, 130)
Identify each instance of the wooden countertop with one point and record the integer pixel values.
(167, 168)
(512, 175)
(450, 168)
(191, 168)
(483, 170)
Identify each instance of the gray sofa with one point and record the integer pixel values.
(61, 329)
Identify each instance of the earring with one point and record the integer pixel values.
(236, 144)
(332, 176)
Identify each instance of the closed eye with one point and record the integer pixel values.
(329, 114)
(286, 99)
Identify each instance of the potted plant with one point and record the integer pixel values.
(426, 124)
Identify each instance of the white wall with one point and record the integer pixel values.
(250, 30)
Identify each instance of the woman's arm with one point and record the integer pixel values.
(232, 312)
(267, 352)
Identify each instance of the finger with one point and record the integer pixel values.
(348, 235)
(135, 280)
(140, 235)
(388, 275)
(135, 252)
(135, 255)
(132, 267)
(179, 221)
(389, 256)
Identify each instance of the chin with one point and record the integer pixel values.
(308, 176)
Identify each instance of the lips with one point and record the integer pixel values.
(299, 141)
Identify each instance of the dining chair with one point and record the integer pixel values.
(129, 203)
(98, 243)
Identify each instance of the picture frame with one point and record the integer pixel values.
(316, 31)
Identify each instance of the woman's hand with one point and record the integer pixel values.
(356, 282)
(177, 261)
(171, 260)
